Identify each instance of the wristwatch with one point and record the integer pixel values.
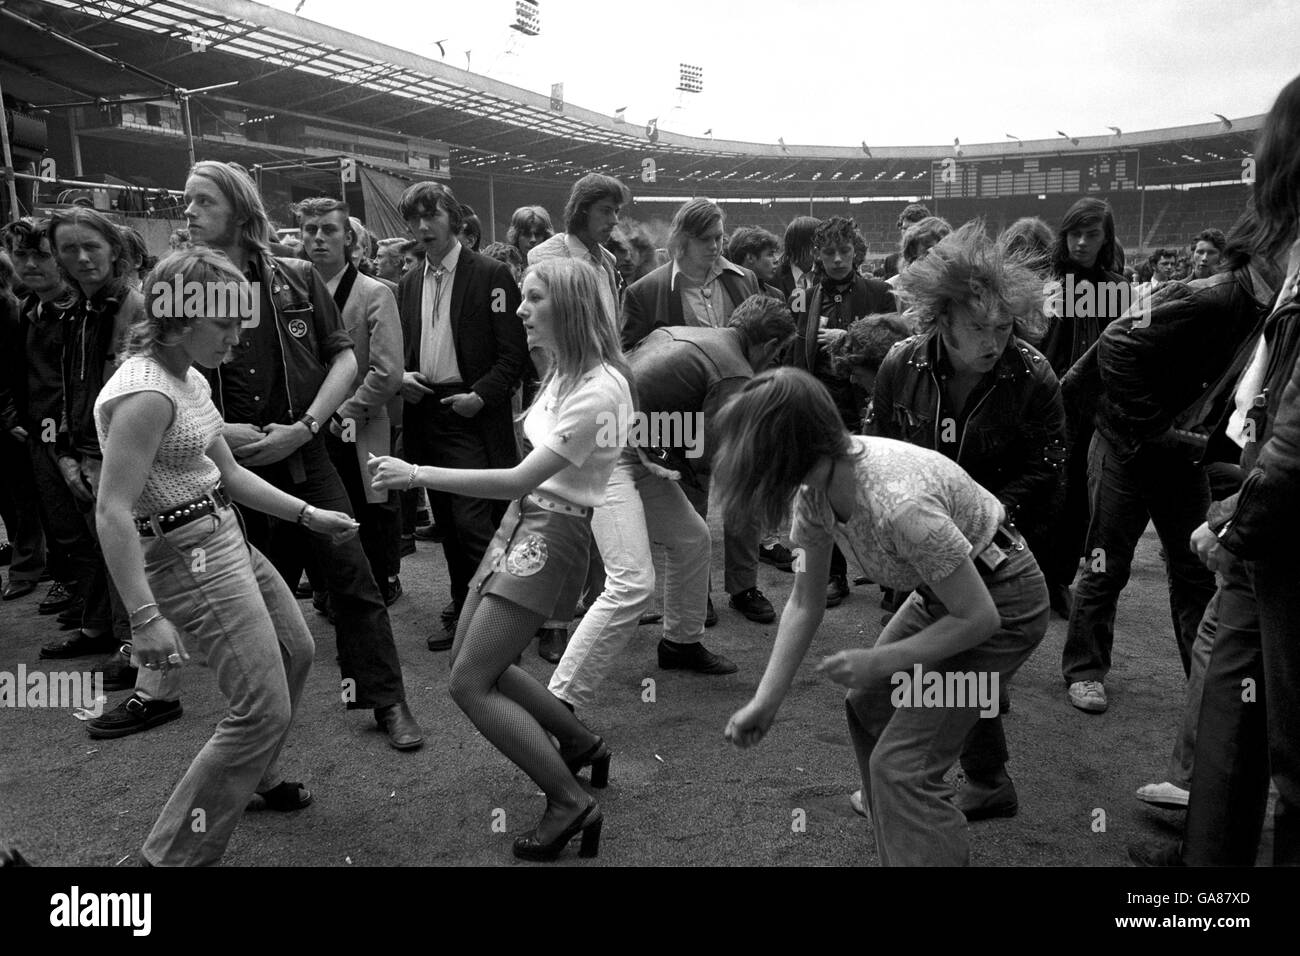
(313, 426)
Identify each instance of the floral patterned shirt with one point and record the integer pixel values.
(917, 514)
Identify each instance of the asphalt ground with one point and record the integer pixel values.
(680, 795)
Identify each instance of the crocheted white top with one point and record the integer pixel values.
(182, 470)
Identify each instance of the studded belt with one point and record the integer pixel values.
(558, 506)
(184, 513)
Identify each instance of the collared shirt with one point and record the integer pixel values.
(253, 388)
(437, 345)
(706, 301)
(596, 258)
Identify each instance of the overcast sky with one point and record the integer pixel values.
(837, 72)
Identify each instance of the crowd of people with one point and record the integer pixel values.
(984, 424)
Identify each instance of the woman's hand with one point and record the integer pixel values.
(157, 646)
(855, 669)
(827, 338)
(70, 469)
(388, 473)
(656, 469)
(748, 725)
(336, 524)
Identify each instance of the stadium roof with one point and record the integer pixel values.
(287, 66)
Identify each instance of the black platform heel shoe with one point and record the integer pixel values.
(588, 823)
(597, 756)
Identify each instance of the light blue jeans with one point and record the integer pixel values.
(639, 508)
(235, 611)
(904, 752)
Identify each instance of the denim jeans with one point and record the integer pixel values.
(20, 510)
(639, 508)
(236, 613)
(367, 654)
(1182, 759)
(1159, 485)
(1276, 590)
(1229, 792)
(739, 546)
(904, 752)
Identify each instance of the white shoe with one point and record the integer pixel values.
(1166, 795)
(858, 805)
(1089, 695)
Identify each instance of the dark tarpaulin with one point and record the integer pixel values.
(381, 192)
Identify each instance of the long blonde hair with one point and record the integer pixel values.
(164, 317)
(584, 334)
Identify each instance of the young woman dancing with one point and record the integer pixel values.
(189, 580)
(536, 564)
(914, 520)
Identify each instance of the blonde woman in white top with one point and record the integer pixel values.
(177, 553)
(536, 564)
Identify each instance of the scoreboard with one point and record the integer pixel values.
(1075, 173)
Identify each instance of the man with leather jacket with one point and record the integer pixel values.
(968, 387)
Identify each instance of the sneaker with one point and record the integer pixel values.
(710, 615)
(984, 803)
(693, 657)
(58, 598)
(754, 606)
(1167, 795)
(132, 716)
(837, 589)
(778, 555)
(1089, 695)
(80, 644)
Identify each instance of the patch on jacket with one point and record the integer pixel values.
(297, 328)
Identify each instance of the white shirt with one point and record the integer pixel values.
(437, 345)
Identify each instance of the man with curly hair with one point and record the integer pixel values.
(823, 313)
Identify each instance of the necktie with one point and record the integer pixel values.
(438, 275)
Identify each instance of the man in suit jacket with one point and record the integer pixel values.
(465, 352)
(698, 287)
(362, 425)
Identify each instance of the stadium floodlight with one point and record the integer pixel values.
(1068, 136)
(690, 78)
(528, 18)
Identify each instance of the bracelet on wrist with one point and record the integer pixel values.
(410, 481)
(304, 516)
(143, 624)
(143, 607)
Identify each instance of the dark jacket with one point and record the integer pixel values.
(1262, 520)
(96, 332)
(13, 367)
(1072, 334)
(308, 330)
(1148, 368)
(652, 302)
(866, 297)
(689, 371)
(491, 347)
(1010, 438)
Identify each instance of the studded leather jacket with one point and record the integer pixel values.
(1010, 437)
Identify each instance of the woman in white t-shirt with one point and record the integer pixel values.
(177, 553)
(535, 566)
(915, 521)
